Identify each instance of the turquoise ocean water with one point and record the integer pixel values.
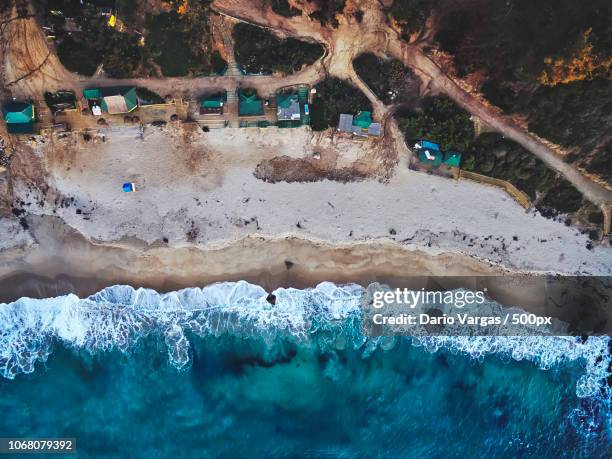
(219, 372)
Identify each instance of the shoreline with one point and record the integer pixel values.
(64, 261)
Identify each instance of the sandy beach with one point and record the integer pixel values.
(199, 189)
(200, 215)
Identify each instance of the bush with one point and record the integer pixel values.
(282, 8)
(439, 120)
(326, 11)
(334, 97)
(259, 51)
(511, 39)
(218, 64)
(515, 43)
(411, 14)
(563, 197)
(96, 44)
(126, 10)
(148, 97)
(78, 57)
(493, 155)
(166, 41)
(390, 80)
(577, 114)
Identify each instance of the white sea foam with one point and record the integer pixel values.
(327, 316)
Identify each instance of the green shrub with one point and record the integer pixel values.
(439, 120)
(563, 197)
(411, 14)
(282, 8)
(334, 97)
(78, 57)
(148, 97)
(493, 155)
(259, 51)
(389, 79)
(326, 11)
(219, 65)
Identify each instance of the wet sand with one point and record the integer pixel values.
(64, 261)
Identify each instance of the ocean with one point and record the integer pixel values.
(220, 372)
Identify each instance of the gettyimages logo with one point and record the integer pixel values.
(490, 306)
(411, 298)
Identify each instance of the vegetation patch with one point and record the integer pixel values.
(575, 115)
(439, 120)
(512, 40)
(96, 43)
(177, 42)
(181, 43)
(259, 51)
(549, 61)
(411, 15)
(333, 97)
(493, 155)
(389, 79)
(78, 57)
(326, 11)
(148, 97)
(282, 8)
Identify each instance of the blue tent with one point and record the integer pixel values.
(128, 187)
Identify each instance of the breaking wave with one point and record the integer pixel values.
(325, 317)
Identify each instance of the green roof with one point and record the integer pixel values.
(452, 158)
(303, 94)
(285, 100)
(128, 93)
(20, 128)
(92, 94)
(211, 103)
(250, 105)
(363, 120)
(18, 113)
(214, 100)
(435, 155)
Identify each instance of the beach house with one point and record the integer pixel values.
(114, 101)
(19, 117)
(429, 154)
(213, 104)
(249, 103)
(360, 124)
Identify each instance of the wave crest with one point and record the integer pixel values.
(327, 316)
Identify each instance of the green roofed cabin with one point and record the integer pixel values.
(452, 158)
(249, 104)
(19, 117)
(114, 101)
(288, 107)
(429, 153)
(360, 124)
(363, 120)
(213, 104)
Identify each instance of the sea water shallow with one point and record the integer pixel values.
(219, 372)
